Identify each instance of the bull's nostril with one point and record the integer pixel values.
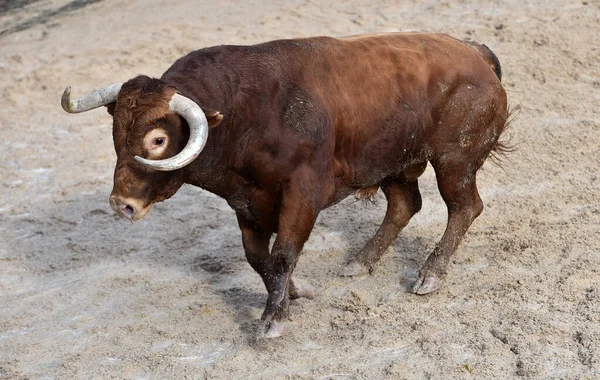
(128, 210)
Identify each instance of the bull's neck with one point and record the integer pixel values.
(209, 169)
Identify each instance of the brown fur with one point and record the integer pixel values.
(306, 122)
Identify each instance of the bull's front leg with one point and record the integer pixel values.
(296, 220)
(256, 246)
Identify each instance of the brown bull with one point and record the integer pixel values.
(302, 124)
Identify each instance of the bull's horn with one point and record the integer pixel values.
(196, 120)
(96, 99)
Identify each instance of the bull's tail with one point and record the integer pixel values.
(503, 146)
(488, 56)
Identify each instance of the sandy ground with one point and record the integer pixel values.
(85, 295)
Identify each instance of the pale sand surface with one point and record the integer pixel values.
(85, 295)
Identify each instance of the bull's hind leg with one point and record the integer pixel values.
(459, 154)
(404, 201)
(459, 191)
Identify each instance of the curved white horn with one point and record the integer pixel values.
(196, 120)
(96, 99)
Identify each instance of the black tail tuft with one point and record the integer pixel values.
(495, 60)
(488, 55)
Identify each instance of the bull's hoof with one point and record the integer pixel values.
(353, 269)
(426, 285)
(269, 330)
(301, 289)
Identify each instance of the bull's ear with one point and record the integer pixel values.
(213, 118)
(110, 107)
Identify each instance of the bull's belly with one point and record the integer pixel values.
(341, 192)
(345, 188)
(366, 185)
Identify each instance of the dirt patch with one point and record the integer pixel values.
(44, 17)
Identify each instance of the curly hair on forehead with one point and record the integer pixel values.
(143, 100)
(145, 85)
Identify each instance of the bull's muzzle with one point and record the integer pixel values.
(128, 208)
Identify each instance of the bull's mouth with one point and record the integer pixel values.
(129, 208)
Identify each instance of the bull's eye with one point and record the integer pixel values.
(155, 142)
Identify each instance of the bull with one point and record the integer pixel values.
(284, 129)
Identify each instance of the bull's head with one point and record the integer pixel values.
(156, 132)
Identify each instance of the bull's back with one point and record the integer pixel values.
(369, 76)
